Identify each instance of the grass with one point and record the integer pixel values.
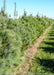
(43, 62)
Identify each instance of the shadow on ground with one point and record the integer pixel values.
(50, 43)
(48, 49)
(48, 64)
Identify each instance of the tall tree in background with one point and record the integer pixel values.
(15, 12)
(4, 5)
(3, 10)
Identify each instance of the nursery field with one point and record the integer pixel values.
(16, 35)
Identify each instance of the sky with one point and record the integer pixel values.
(42, 7)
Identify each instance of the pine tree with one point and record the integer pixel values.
(15, 12)
(4, 5)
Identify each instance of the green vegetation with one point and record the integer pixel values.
(16, 36)
(43, 62)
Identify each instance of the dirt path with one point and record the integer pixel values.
(29, 55)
